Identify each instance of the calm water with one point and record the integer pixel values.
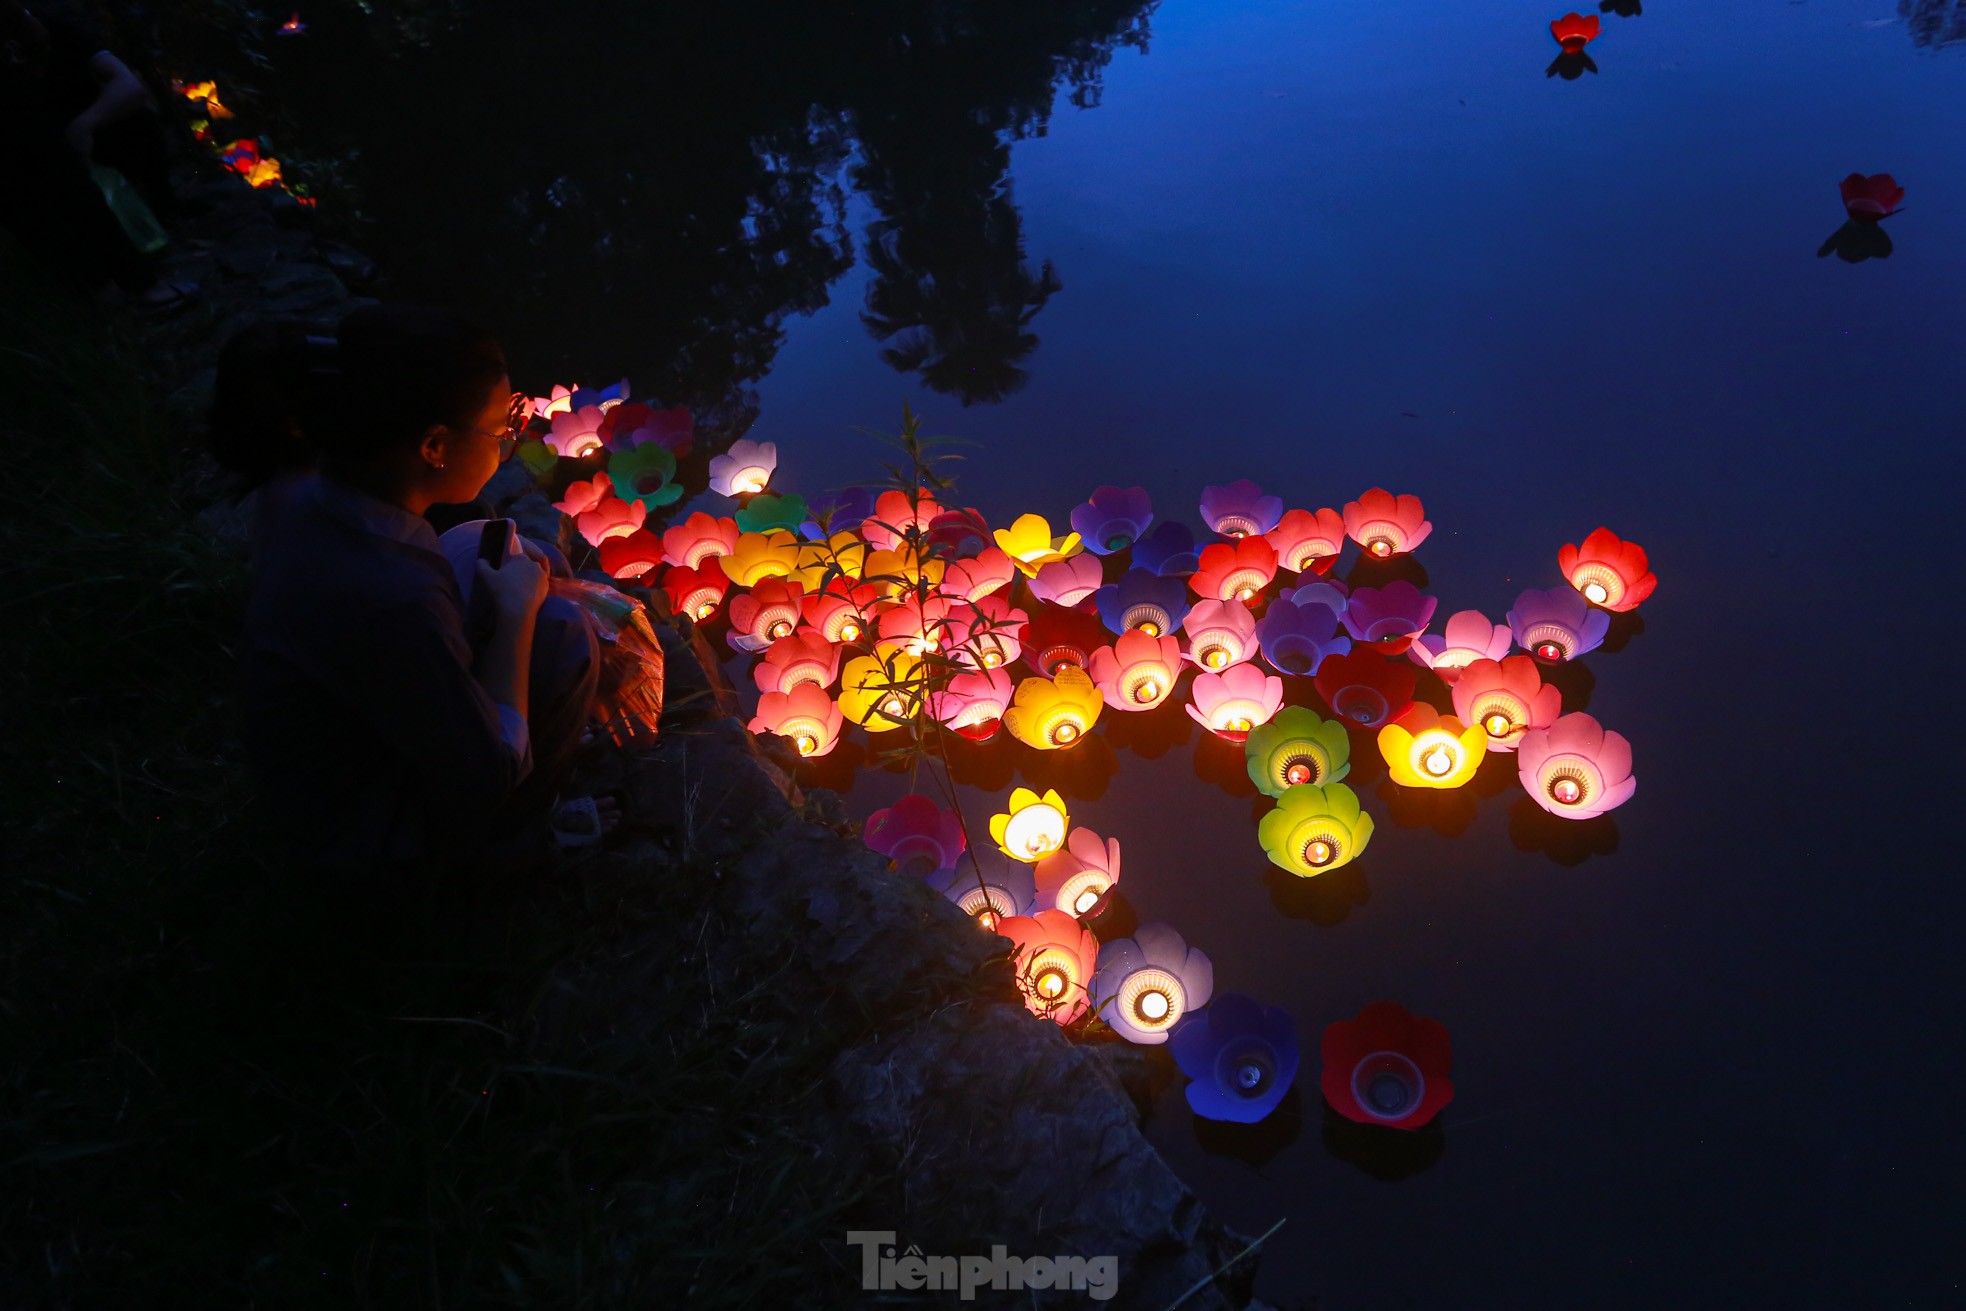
(1332, 246)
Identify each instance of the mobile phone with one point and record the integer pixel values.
(494, 548)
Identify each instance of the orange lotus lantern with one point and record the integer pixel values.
(801, 657)
(1029, 543)
(759, 556)
(698, 538)
(1308, 541)
(1137, 671)
(1426, 749)
(841, 556)
(1238, 570)
(883, 691)
(632, 555)
(1575, 31)
(764, 614)
(1054, 958)
(805, 716)
(695, 592)
(1608, 571)
(1386, 525)
(1031, 827)
(1051, 714)
(1077, 879)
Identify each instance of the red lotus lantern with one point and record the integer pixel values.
(1387, 1067)
(1608, 571)
(631, 556)
(1869, 199)
(1364, 688)
(696, 592)
(1237, 570)
(1575, 31)
(1056, 637)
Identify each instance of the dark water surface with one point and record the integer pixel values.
(1332, 246)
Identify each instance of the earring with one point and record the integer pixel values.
(440, 464)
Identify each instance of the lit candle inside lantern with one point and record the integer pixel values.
(1596, 593)
(850, 631)
(1247, 593)
(1380, 546)
(1240, 724)
(987, 918)
(1149, 627)
(1300, 771)
(1065, 734)
(1438, 761)
(806, 743)
(1153, 1005)
(1147, 691)
(780, 628)
(1086, 901)
(991, 659)
(893, 707)
(1319, 852)
(1567, 790)
(1215, 657)
(1497, 724)
(706, 609)
(1050, 984)
(1550, 650)
(750, 480)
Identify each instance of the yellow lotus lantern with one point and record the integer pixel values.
(1029, 544)
(1032, 828)
(901, 570)
(882, 691)
(1049, 713)
(842, 556)
(1426, 749)
(760, 556)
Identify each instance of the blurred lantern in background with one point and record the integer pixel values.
(1505, 698)
(987, 571)
(695, 592)
(1167, 549)
(883, 691)
(1608, 571)
(1235, 571)
(1077, 879)
(698, 538)
(1387, 1067)
(1296, 748)
(1555, 624)
(1112, 519)
(1364, 688)
(1054, 958)
(1385, 525)
(759, 556)
(1029, 543)
(1143, 601)
(1315, 828)
(1296, 638)
(1576, 768)
(1220, 634)
(989, 898)
(1054, 713)
(558, 401)
(1467, 637)
(584, 494)
(916, 834)
(1067, 582)
(1240, 1057)
(1145, 984)
(631, 555)
(986, 633)
(1868, 199)
(802, 657)
(599, 398)
(764, 614)
(1233, 702)
(743, 469)
(1240, 509)
(646, 474)
(898, 520)
(1575, 31)
(841, 612)
(768, 510)
(1308, 541)
(972, 703)
(1389, 618)
(633, 425)
(805, 716)
(1055, 639)
(1032, 827)
(576, 433)
(1137, 672)
(1426, 749)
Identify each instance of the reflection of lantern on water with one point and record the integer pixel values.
(1076, 879)
(972, 703)
(764, 614)
(1468, 636)
(1576, 768)
(916, 834)
(1054, 959)
(1029, 543)
(1168, 549)
(1295, 748)
(986, 633)
(1067, 582)
(1507, 698)
(1054, 713)
(1113, 518)
(1387, 1066)
(1240, 509)
(1308, 540)
(1143, 601)
(576, 432)
(1364, 688)
(1136, 672)
(1385, 525)
(1032, 827)
(1146, 983)
(1426, 749)
(897, 520)
(695, 592)
(1238, 570)
(1055, 638)
(1233, 702)
(915, 625)
(1315, 828)
(805, 715)
(800, 657)
(881, 691)
(759, 556)
(698, 538)
(1608, 571)
(1389, 618)
(1556, 624)
(987, 571)
(840, 611)
(1240, 1057)
(1575, 31)
(1220, 634)
(610, 517)
(1296, 637)
(743, 469)
(631, 555)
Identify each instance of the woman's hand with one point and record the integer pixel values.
(516, 589)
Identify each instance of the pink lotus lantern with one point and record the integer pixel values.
(695, 592)
(1576, 768)
(1077, 879)
(632, 555)
(745, 468)
(1240, 509)
(576, 432)
(1068, 582)
(1389, 618)
(1113, 518)
(584, 494)
(698, 538)
(1385, 525)
(1054, 958)
(610, 518)
(917, 835)
(1556, 624)
(972, 703)
(1238, 570)
(1231, 703)
(1138, 671)
(841, 612)
(806, 716)
(1507, 698)
(987, 571)
(1220, 634)
(1467, 638)
(1608, 571)
(1296, 637)
(985, 634)
(1055, 639)
(800, 657)
(558, 402)
(896, 520)
(1308, 541)
(916, 625)
(759, 617)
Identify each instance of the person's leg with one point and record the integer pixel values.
(566, 669)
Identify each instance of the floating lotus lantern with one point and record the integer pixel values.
(916, 834)
(985, 634)
(1240, 1057)
(836, 512)
(1029, 543)
(1296, 748)
(1167, 549)
(1314, 829)
(1467, 637)
(768, 510)
(843, 557)
(1296, 638)
(882, 691)
(1143, 601)
(744, 469)
(804, 715)
(1054, 713)
(558, 401)
(1426, 749)
(644, 473)
(759, 556)
(698, 538)
(1004, 893)
(584, 494)
(610, 517)
(840, 611)
(1506, 698)
(695, 592)
(1220, 634)
(902, 570)
(1138, 671)
(632, 555)
(1032, 827)
(1237, 570)
(988, 571)
(1389, 618)
(801, 657)
(1868, 199)
(959, 533)
(916, 625)
(972, 703)
(632, 424)
(1327, 592)
(1608, 571)
(1145, 984)
(1308, 541)
(1575, 31)
(1240, 509)
(1576, 768)
(763, 615)
(1363, 688)
(1557, 624)
(1056, 638)
(1233, 702)
(1077, 879)
(897, 520)
(1387, 1067)
(1068, 582)
(576, 432)
(1113, 518)
(1054, 959)
(1385, 525)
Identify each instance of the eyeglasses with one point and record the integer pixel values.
(517, 416)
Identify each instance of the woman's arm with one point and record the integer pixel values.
(120, 95)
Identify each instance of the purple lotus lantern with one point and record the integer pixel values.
(1143, 601)
(1576, 768)
(1239, 1055)
(1168, 549)
(916, 834)
(1076, 879)
(1007, 888)
(1555, 624)
(1467, 637)
(1295, 638)
(1389, 618)
(1113, 519)
(1067, 582)
(1240, 509)
(1220, 634)
(1147, 982)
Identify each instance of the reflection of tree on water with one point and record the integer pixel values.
(1934, 22)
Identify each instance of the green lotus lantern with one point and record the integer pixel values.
(645, 473)
(769, 510)
(1295, 748)
(1315, 829)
